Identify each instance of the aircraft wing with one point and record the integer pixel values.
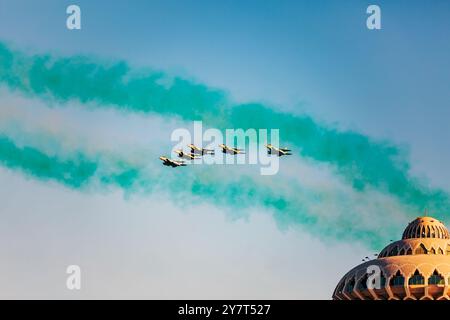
(193, 147)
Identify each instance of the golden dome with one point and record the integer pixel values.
(416, 267)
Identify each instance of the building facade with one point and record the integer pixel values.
(417, 267)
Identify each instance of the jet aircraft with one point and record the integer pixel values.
(172, 163)
(278, 151)
(230, 150)
(200, 151)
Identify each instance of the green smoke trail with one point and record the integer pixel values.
(81, 172)
(364, 162)
(76, 172)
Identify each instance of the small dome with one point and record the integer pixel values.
(426, 227)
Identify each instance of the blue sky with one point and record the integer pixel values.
(313, 57)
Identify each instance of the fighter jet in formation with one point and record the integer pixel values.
(172, 163)
(184, 155)
(196, 153)
(200, 151)
(230, 150)
(278, 151)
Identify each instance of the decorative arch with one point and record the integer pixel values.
(436, 279)
(341, 286)
(350, 285)
(394, 251)
(362, 283)
(421, 249)
(417, 235)
(397, 280)
(382, 279)
(417, 279)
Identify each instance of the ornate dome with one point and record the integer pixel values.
(416, 267)
(425, 227)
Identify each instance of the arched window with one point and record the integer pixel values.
(394, 251)
(428, 231)
(350, 285)
(433, 232)
(440, 251)
(432, 251)
(436, 279)
(397, 280)
(362, 284)
(413, 232)
(382, 280)
(401, 252)
(416, 279)
(409, 252)
(421, 249)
